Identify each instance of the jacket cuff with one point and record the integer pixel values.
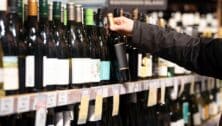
(136, 32)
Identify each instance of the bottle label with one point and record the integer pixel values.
(29, 69)
(162, 67)
(197, 119)
(3, 5)
(105, 70)
(62, 71)
(186, 112)
(144, 66)
(95, 70)
(213, 108)
(1, 75)
(59, 119)
(79, 73)
(49, 71)
(180, 122)
(10, 70)
(173, 124)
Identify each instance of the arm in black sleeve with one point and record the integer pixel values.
(203, 56)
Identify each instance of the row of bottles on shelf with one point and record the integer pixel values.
(188, 105)
(194, 23)
(68, 46)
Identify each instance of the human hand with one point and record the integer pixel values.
(122, 25)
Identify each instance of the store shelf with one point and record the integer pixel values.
(30, 102)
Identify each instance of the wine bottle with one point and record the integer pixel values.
(144, 59)
(133, 51)
(42, 38)
(94, 48)
(49, 60)
(22, 46)
(122, 74)
(50, 119)
(31, 36)
(62, 53)
(9, 41)
(102, 39)
(79, 47)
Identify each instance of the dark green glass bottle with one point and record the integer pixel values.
(10, 48)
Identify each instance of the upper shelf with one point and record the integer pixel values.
(28, 102)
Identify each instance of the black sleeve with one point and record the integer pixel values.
(203, 56)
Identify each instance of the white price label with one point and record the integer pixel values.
(62, 98)
(146, 85)
(130, 87)
(7, 106)
(115, 90)
(105, 92)
(122, 90)
(51, 100)
(23, 104)
(136, 87)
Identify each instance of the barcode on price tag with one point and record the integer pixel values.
(23, 104)
(6, 106)
(51, 99)
(62, 98)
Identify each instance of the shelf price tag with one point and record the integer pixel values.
(115, 91)
(192, 86)
(62, 98)
(137, 87)
(41, 110)
(84, 106)
(51, 99)
(105, 91)
(98, 104)
(23, 103)
(7, 106)
(152, 94)
(145, 85)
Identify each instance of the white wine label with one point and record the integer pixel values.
(10, 69)
(144, 66)
(3, 5)
(87, 75)
(197, 119)
(213, 109)
(173, 124)
(1, 75)
(63, 72)
(49, 71)
(59, 119)
(95, 70)
(79, 66)
(162, 67)
(180, 122)
(29, 69)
